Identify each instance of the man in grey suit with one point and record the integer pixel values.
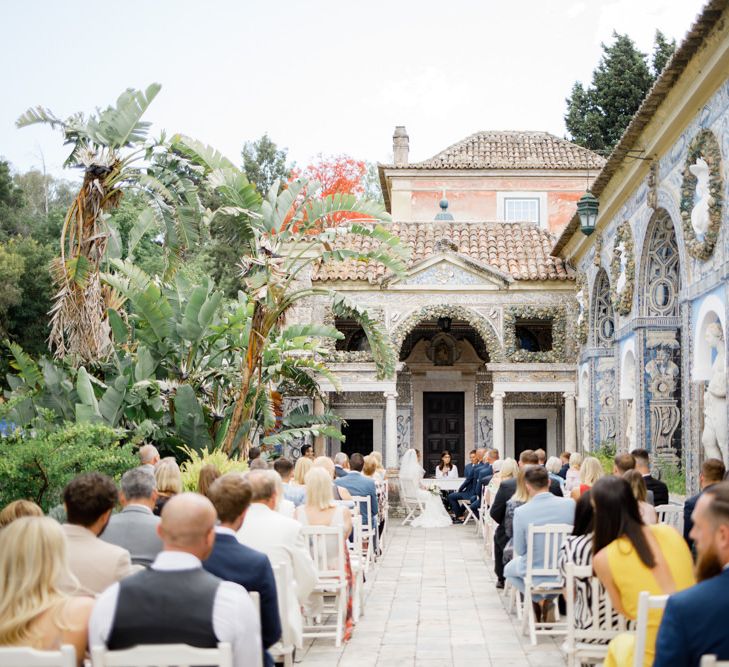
(359, 485)
(543, 508)
(135, 527)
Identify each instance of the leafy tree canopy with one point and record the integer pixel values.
(264, 163)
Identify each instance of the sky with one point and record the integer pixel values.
(319, 76)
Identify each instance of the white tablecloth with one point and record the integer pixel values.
(445, 484)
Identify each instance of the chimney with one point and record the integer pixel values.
(400, 146)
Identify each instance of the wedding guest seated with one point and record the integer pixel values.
(590, 471)
(148, 457)
(339, 493)
(169, 482)
(34, 610)
(303, 465)
(630, 557)
(359, 485)
(712, 472)
(572, 477)
(259, 463)
(577, 549)
(521, 496)
(694, 621)
(543, 508)
(554, 467)
(370, 470)
(541, 456)
(307, 451)
(18, 509)
(280, 538)
(341, 464)
(655, 486)
(637, 486)
(89, 500)
(446, 469)
(381, 473)
(135, 527)
(486, 473)
(232, 561)
(176, 601)
(622, 463)
(283, 505)
(254, 453)
(208, 474)
(293, 492)
(506, 469)
(564, 458)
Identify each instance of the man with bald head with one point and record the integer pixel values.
(176, 601)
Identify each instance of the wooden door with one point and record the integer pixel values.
(358, 434)
(442, 429)
(529, 434)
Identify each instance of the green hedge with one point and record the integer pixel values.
(37, 463)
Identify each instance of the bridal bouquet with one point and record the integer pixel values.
(434, 489)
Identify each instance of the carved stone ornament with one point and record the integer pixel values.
(443, 350)
(622, 270)
(583, 313)
(597, 259)
(559, 333)
(701, 195)
(652, 196)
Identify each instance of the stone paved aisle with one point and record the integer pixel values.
(431, 602)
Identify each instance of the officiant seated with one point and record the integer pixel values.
(446, 469)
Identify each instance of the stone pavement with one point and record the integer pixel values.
(431, 602)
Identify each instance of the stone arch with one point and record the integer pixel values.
(480, 324)
(602, 324)
(660, 274)
(711, 311)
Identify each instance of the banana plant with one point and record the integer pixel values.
(283, 234)
(113, 149)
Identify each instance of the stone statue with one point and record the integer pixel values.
(702, 200)
(586, 445)
(630, 425)
(715, 436)
(663, 373)
(622, 276)
(581, 304)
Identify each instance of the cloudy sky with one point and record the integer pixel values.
(320, 76)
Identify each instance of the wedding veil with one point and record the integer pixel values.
(409, 466)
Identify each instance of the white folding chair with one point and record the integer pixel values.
(283, 650)
(20, 656)
(466, 505)
(711, 661)
(514, 600)
(409, 498)
(551, 536)
(646, 603)
(163, 655)
(332, 579)
(356, 562)
(671, 515)
(256, 600)
(606, 624)
(364, 506)
(385, 515)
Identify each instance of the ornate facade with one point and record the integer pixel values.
(655, 272)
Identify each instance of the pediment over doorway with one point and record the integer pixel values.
(450, 270)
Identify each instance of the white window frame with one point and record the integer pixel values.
(541, 197)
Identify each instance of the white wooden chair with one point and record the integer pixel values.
(646, 603)
(20, 656)
(466, 505)
(711, 661)
(514, 600)
(552, 536)
(356, 562)
(672, 515)
(332, 580)
(369, 538)
(605, 626)
(256, 600)
(409, 498)
(488, 525)
(163, 655)
(283, 650)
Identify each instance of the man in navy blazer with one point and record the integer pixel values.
(712, 472)
(359, 485)
(232, 561)
(467, 490)
(694, 621)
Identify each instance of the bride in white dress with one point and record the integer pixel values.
(434, 514)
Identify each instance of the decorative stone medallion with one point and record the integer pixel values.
(701, 195)
(622, 270)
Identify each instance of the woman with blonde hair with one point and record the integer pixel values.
(169, 482)
(520, 497)
(590, 471)
(572, 477)
(34, 612)
(339, 492)
(380, 472)
(18, 509)
(302, 467)
(508, 470)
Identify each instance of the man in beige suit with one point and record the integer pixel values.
(280, 538)
(89, 500)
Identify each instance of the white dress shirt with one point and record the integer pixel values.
(234, 616)
(448, 474)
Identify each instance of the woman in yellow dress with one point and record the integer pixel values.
(631, 557)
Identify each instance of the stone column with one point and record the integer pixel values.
(570, 422)
(498, 432)
(319, 444)
(391, 429)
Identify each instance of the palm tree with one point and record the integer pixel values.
(112, 148)
(283, 234)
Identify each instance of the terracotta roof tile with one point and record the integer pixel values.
(520, 250)
(510, 150)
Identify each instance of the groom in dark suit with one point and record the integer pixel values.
(694, 622)
(467, 490)
(232, 561)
